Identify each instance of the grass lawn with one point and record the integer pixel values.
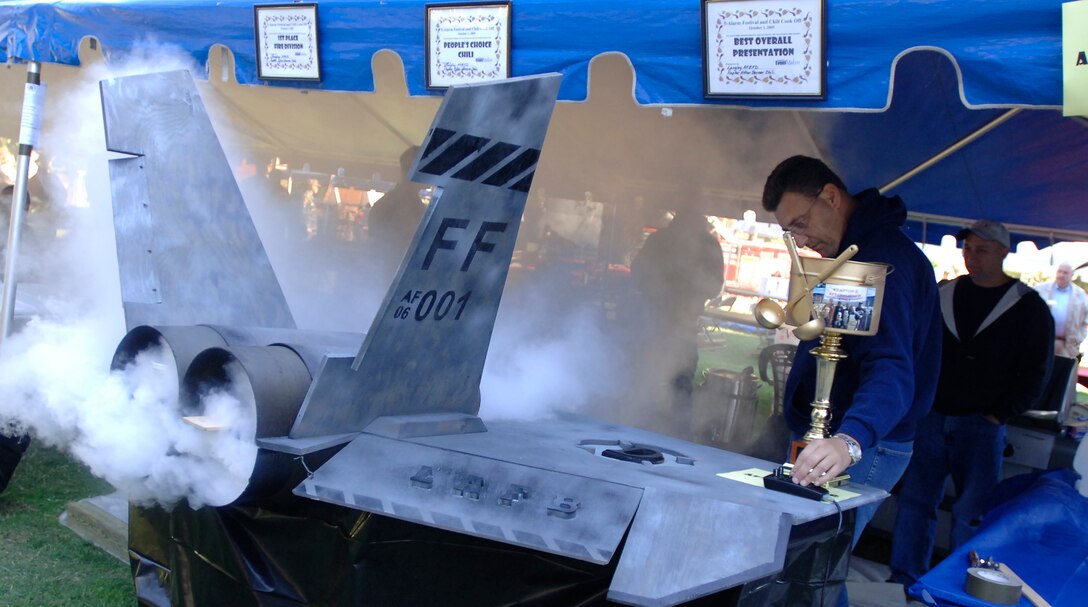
(42, 562)
(734, 351)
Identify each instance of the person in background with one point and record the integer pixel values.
(394, 218)
(311, 208)
(998, 336)
(1069, 307)
(885, 384)
(676, 271)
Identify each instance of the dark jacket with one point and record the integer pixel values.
(886, 383)
(678, 268)
(1000, 370)
(391, 224)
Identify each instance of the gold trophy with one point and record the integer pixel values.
(827, 354)
(843, 298)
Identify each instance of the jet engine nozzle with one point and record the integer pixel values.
(236, 395)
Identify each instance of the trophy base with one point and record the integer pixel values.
(796, 447)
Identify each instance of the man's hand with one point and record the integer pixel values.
(821, 461)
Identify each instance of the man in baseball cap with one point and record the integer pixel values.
(997, 350)
(987, 229)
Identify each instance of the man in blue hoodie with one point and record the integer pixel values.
(885, 386)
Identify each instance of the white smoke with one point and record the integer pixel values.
(124, 425)
(543, 360)
(55, 381)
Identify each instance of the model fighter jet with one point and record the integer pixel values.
(387, 423)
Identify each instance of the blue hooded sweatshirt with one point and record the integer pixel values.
(887, 382)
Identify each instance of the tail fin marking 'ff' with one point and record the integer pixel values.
(425, 351)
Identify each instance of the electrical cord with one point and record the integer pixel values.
(827, 567)
(822, 584)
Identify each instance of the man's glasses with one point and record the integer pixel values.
(798, 225)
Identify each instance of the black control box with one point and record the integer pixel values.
(780, 480)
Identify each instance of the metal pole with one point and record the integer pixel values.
(986, 128)
(33, 101)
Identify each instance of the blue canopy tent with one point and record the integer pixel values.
(1007, 50)
(954, 68)
(907, 82)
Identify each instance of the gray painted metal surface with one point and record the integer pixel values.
(575, 444)
(303, 446)
(268, 381)
(184, 236)
(691, 532)
(481, 151)
(510, 502)
(683, 546)
(425, 424)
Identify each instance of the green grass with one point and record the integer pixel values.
(42, 562)
(734, 351)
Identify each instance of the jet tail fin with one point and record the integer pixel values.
(425, 350)
(187, 248)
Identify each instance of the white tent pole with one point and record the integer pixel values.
(958, 222)
(33, 101)
(986, 128)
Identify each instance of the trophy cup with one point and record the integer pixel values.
(844, 298)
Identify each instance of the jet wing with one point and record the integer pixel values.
(557, 486)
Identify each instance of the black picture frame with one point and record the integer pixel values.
(271, 21)
(466, 65)
(766, 49)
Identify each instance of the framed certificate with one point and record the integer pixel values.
(467, 43)
(287, 42)
(764, 48)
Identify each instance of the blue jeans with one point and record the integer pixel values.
(880, 467)
(969, 448)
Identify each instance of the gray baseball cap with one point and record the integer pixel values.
(987, 229)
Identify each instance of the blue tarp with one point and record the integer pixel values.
(1041, 534)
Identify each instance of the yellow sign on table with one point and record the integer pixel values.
(754, 476)
(1075, 58)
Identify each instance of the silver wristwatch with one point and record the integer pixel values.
(852, 447)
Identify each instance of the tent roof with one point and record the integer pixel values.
(1007, 50)
(937, 55)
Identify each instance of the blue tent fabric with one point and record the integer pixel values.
(1007, 50)
(1041, 534)
(938, 55)
(1030, 171)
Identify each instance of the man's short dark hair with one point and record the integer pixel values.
(800, 175)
